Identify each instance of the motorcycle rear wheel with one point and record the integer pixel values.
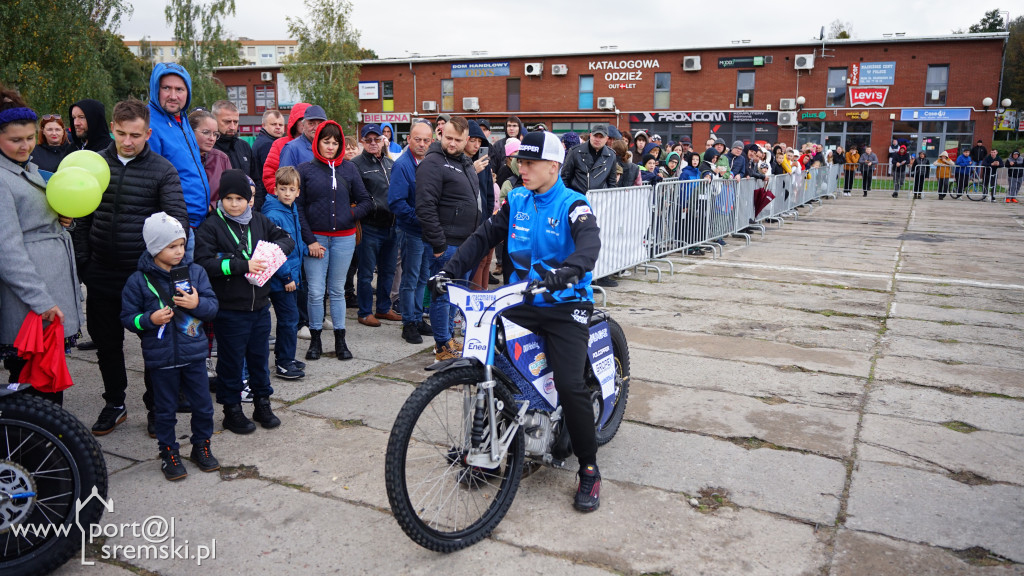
(621, 351)
(440, 502)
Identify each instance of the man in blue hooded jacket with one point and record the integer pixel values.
(170, 93)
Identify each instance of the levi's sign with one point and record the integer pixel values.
(868, 95)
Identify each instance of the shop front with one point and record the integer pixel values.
(846, 130)
(934, 130)
(729, 125)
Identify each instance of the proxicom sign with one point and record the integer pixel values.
(693, 117)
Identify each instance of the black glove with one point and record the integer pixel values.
(438, 283)
(560, 278)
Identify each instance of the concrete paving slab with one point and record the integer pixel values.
(790, 483)
(410, 368)
(966, 353)
(985, 413)
(737, 377)
(863, 554)
(795, 274)
(932, 509)
(992, 455)
(74, 567)
(1008, 340)
(812, 429)
(959, 315)
(373, 401)
(763, 352)
(895, 457)
(322, 374)
(952, 375)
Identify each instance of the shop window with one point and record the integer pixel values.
(935, 85)
(448, 95)
(387, 90)
(836, 96)
(265, 98)
(662, 90)
(239, 97)
(745, 89)
(586, 100)
(512, 94)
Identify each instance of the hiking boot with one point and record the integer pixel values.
(235, 420)
(410, 334)
(369, 320)
(203, 458)
(263, 414)
(389, 315)
(171, 464)
(288, 372)
(447, 351)
(315, 346)
(588, 491)
(424, 328)
(151, 424)
(340, 348)
(108, 419)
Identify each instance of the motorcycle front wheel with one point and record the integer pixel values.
(441, 502)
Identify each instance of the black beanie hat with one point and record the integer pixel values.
(235, 182)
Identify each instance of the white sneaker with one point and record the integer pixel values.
(304, 333)
(625, 273)
(328, 325)
(246, 394)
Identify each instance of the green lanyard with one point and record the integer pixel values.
(247, 251)
(153, 289)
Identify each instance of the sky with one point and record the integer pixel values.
(397, 28)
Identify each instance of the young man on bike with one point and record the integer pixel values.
(552, 237)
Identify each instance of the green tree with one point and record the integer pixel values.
(839, 30)
(1013, 70)
(203, 44)
(321, 68)
(58, 51)
(991, 22)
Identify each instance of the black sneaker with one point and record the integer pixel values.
(109, 418)
(203, 458)
(424, 328)
(263, 413)
(171, 465)
(235, 420)
(151, 424)
(411, 334)
(605, 282)
(288, 372)
(588, 491)
(86, 345)
(298, 365)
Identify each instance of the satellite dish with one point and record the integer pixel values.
(822, 35)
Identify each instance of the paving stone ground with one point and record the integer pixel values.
(852, 383)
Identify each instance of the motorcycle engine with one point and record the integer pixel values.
(538, 433)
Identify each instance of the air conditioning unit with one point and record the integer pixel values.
(831, 89)
(803, 62)
(429, 106)
(787, 104)
(606, 103)
(471, 104)
(691, 63)
(787, 119)
(559, 69)
(533, 68)
(266, 76)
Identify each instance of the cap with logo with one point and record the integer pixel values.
(370, 129)
(541, 146)
(314, 113)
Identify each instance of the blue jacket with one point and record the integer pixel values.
(183, 340)
(326, 208)
(962, 164)
(402, 194)
(394, 148)
(297, 151)
(175, 141)
(689, 173)
(288, 218)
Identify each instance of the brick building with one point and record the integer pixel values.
(928, 92)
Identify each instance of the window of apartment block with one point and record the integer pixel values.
(448, 95)
(935, 85)
(512, 94)
(836, 91)
(239, 97)
(662, 88)
(586, 100)
(265, 99)
(745, 89)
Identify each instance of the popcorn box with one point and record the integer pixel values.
(271, 254)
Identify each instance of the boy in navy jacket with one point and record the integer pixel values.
(169, 316)
(285, 283)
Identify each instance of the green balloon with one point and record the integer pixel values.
(73, 192)
(91, 162)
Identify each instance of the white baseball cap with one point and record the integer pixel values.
(541, 146)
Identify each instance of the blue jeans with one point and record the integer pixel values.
(287, 310)
(191, 380)
(416, 260)
(190, 247)
(378, 249)
(242, 338)
(441, 316)
(327, 274)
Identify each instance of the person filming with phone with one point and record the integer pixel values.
(552, 237)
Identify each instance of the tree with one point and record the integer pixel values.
(55, 53)
(1013, 71)
(839, 30)
(321, 68)
(991, 22)
(203, 44)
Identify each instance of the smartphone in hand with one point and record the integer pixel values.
(181, 280)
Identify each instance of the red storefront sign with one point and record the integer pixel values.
(868, 95)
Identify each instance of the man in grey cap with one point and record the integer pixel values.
(301, 149)
(737, 160)
(442, 119)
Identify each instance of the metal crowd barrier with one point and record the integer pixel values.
(624, 216)
(973, 182)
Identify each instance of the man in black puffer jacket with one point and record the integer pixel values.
(449, 207)
(142, 183)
